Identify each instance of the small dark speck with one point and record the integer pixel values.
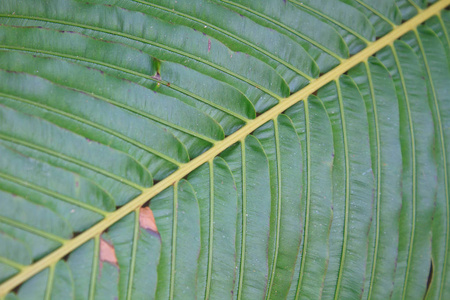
(157, 76)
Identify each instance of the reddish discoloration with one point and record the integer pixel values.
(157, 76)
(209, 45)
(107, 253)
(147, 220)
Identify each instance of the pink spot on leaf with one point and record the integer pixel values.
(107, 254)
(147, 220)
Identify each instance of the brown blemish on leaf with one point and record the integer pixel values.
(107, 253)
(157, 76)
(147, 220)
(209, 45)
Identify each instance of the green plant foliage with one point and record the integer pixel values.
(343, 195)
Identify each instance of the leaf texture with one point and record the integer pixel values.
(224, 149)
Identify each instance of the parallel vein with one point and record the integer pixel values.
(221, 146)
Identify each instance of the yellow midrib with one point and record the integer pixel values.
(220, 146)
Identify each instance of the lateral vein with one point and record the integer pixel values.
(220, 146)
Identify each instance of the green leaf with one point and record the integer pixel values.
(55, 283)
(20, 90)
(217, 198)
(238, 33)
(353, 26)
(137, 245)
(185, 84)
(226, 149)
(416, 133)
(14, 255)
(282, 146)
(321, 41)
(378, 92)
(440, 25)
(353, 185)
(41, 140)
(250, 167)
(164, 111)
(79, 201)
(164, 41)
(437, 76)
(408, 8)
(177, 215)
(383, 14)
(94, 269)
(313, 127)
